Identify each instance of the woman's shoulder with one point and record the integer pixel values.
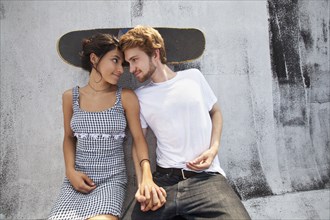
(129, 98)
(67, 92)
(128, 93)
(67, 96)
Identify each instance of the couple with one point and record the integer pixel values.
(179, 107)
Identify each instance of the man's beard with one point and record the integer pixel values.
(152, 69)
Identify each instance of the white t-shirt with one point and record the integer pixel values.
(177, 111)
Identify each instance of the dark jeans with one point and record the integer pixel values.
(205, 196)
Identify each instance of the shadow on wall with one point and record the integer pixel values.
(299, 55)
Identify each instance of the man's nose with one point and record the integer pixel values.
(131, 68)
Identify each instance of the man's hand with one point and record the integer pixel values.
(81, 182)
(151, 198)
(203, 161)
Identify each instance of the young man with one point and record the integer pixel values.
(182, 111)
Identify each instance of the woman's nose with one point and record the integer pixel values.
(120, 69)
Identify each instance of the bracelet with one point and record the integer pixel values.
(144, 160)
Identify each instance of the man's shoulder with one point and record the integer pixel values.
(142, 89)
(190, 71)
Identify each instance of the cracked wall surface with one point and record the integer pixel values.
(267, 62)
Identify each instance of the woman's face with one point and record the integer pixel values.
(111, 66)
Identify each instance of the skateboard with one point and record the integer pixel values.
(182, 44)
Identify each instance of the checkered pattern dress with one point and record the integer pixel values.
(100, 155)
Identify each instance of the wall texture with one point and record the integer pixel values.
(267, 62)
(301, 84)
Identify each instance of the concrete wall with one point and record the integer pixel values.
(267, 62)
(300, 52)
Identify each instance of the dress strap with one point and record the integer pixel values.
(75, 97)
(118, 94)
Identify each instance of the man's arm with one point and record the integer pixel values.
(205, 160)
(217, 120)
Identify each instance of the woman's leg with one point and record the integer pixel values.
(104, 217)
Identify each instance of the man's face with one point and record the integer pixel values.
(140, 64)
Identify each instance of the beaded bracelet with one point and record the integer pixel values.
(144, 160)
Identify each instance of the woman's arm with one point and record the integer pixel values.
(80, 181)
(147, 188)
(69, 141)
(137, 167)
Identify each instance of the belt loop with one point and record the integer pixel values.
(183, 176)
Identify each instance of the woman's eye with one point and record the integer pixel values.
(115, 60)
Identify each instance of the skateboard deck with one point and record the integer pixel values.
(182, 44)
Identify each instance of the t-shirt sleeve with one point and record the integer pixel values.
(209, 97)
(143, 121)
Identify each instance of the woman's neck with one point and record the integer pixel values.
(97, 83)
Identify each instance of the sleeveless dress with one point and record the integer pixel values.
(100, 155)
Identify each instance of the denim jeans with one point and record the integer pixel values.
(204, 196)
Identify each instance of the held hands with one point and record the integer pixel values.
(80, 181)
(150, 196)
(203, 161)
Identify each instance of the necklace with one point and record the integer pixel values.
(96, 90)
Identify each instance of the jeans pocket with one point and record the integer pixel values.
(212, 173)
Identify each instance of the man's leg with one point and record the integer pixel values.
(134, 213)
(168, 211)
(209, 196)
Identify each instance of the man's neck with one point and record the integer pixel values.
(162, 73)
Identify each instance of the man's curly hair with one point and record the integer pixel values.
(146, 38)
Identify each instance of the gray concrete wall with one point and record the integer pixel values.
(267, 62)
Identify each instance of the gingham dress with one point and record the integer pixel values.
(100, 155)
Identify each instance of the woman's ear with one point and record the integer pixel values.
(93, 58)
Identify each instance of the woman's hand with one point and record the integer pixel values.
(81, 182)
(150, 196)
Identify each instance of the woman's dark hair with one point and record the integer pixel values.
(99, 44)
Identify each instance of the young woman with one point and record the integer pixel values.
(95, 118)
